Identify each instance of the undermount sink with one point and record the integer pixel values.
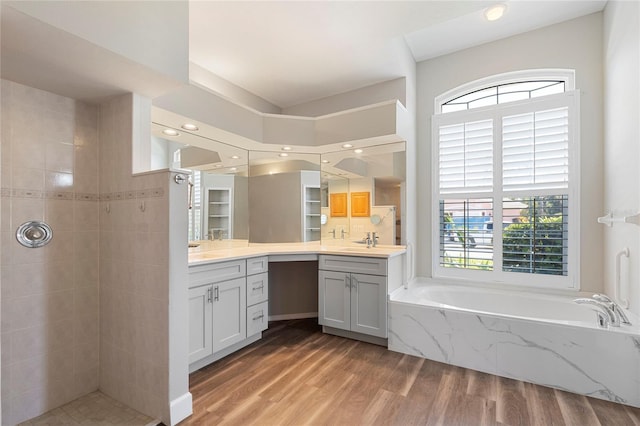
(358, 249)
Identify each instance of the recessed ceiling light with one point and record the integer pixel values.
(347, 145)
(190, 127)
(495, 12)
(286, 148)
(233, 169)
(357, 151)
(171, 132)
(283, 154)
(234, 157)
(325, 161)
(217, 166)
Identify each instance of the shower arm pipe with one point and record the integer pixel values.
(617, 293)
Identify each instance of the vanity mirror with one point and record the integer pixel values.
(244, 196)
(364, 193)
(219, 173)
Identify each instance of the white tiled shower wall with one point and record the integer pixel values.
(134, 258)
(90, 310)
(50, 295)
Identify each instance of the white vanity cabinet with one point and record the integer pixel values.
(228, 307)
(352, 294)
(257, 295)
(217, 307)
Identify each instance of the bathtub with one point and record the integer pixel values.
(542, 339)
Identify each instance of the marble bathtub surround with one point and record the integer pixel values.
(589, 361)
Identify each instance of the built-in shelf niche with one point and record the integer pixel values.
(219, 217)
(312, 213)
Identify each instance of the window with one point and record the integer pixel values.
(506, 180)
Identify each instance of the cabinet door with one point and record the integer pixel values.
(334, 295)
(369, 304)
(338, 204)
(229, 313)
(360, 204)
(200, 323)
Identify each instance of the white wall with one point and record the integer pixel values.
(573, 44)
(152, 33)
(622, 140)
(202, 77)
(392, 89)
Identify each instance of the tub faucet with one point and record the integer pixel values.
(614, 307)
(606, 316)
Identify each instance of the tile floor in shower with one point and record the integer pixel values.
(94, 409)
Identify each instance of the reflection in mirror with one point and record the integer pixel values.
(285, 194)
(365, 192)
(218, 217)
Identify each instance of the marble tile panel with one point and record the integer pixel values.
(602, 364)
(456, 338)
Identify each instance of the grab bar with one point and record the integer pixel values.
(617, 293)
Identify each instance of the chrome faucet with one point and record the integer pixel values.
(342, 233)
(606, 316)
(367, 239)
(614, 307)
(374, 239)
(333, 232)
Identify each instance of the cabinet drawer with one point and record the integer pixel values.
(361, 265)
(257, 265)
(216, 272)
(257, 318)
(257, 288)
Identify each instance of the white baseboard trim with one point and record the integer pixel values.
(181, 408)
(284, 317)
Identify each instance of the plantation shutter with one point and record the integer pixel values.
(466, 157)
(535, 150)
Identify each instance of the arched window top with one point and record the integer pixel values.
(503, 88)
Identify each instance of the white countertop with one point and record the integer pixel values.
(210, 252)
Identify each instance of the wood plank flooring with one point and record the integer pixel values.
(296, 375)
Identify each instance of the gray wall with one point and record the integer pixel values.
(275, 208)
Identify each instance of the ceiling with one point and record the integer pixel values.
(292, 52)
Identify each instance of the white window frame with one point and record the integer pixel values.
(571, 99)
